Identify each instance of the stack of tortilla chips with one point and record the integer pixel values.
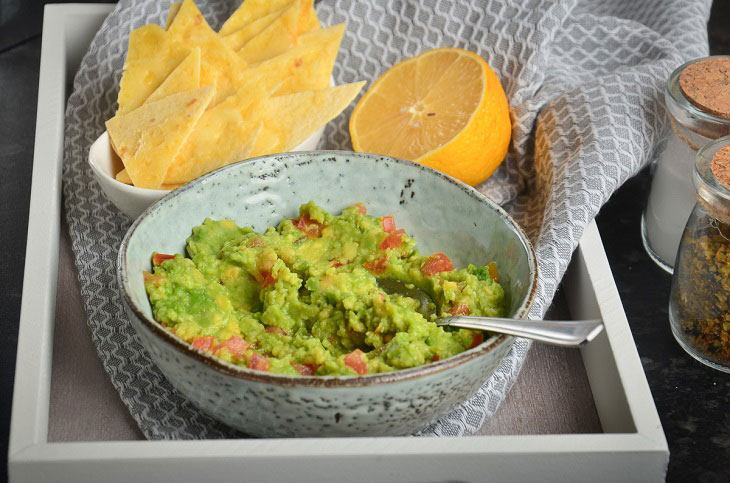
(192, 100)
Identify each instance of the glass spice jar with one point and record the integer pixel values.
(698, 113)
(699, 302)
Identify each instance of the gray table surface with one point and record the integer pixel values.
(551, 395)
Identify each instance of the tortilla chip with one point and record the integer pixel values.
(225, 134)
(238, 39)
(174, 8)
(308, 20)
(151, 56)
(281, 35)
(291, 119)
(185, 77)
(249, 11)
(219, 64)
(304, 68)
(149, 138)
(123, 177)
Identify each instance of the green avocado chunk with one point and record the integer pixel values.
(303, 297)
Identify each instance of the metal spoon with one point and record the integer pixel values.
(569, 333)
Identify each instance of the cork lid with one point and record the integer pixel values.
(712, 178)
(720, 166)
(706, 84)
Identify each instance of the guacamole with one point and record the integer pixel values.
(303, 298)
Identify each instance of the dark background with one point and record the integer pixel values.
(692, 400)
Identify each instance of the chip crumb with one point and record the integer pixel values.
(706, 84)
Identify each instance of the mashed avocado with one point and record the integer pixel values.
(303, 298)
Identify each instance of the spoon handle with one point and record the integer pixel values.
(570, 333)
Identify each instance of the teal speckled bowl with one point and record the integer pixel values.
(441, 213)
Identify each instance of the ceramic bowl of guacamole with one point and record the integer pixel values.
(259, 291)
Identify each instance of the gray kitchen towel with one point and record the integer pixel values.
(584, 80)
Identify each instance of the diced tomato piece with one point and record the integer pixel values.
(436, 358)
(360, 208)
(266, 278)
(377, 266)
(356, 361)
(259, 362)
(276, 330)
(388, 224)
(255, 242)
(493, 271)
(236, 345)
(161, 257)
(437, 263)
(336, 263)
(478, 339)
(204, 343)
(304, 369)
(461, 309)
(306, 225)
(393, 240)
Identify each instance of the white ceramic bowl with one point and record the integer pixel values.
(131, 200)
(441, 213)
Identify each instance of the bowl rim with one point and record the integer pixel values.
(243, 372)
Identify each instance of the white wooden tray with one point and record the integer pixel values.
(631, 448)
